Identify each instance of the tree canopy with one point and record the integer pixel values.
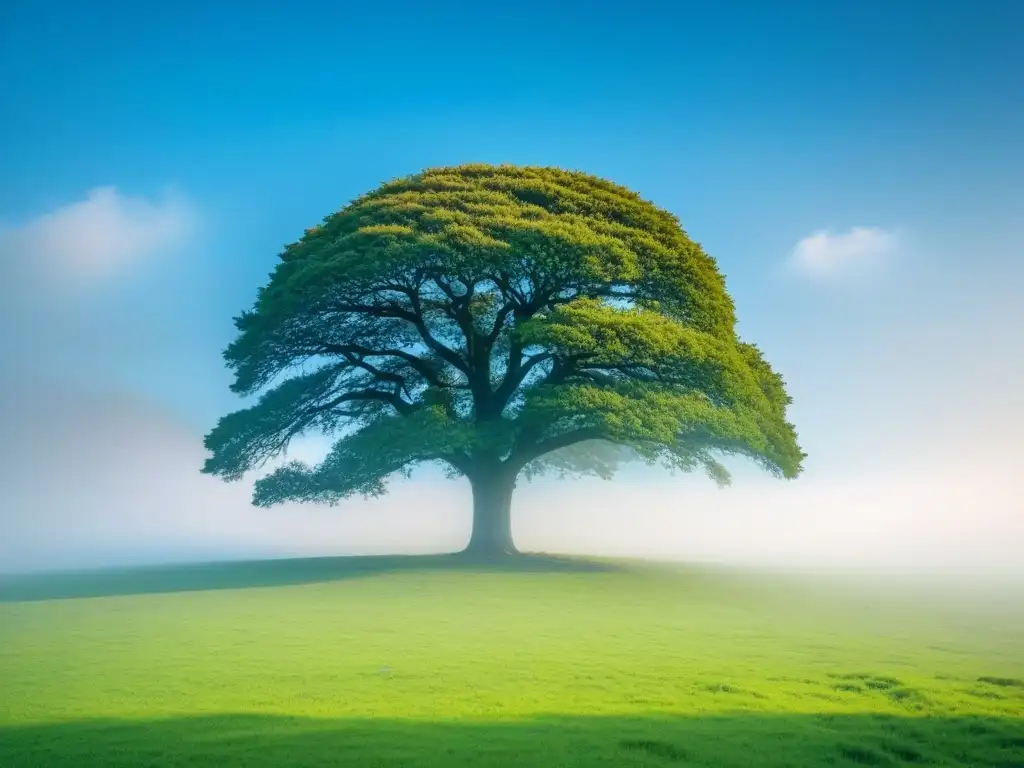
(495, 319)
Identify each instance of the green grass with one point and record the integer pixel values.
(431, 662)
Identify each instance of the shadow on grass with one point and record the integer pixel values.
(722, 741)
(266, 573)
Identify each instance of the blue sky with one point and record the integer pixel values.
(217, 132)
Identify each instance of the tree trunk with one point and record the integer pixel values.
(492, 513)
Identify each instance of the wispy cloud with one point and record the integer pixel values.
(825, 255)
(92, 239)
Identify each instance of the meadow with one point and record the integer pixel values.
(537, 662)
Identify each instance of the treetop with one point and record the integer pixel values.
(480, 314)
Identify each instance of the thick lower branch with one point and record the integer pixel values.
(523, 454)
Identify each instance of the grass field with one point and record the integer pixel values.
(432, 662)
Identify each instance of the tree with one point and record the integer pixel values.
(500, 321)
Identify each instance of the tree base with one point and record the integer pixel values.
(489, 553)
(491, 538)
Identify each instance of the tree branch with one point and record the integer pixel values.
(391, 398)
(523, 455)
(499, 321)
(418, 364)
(517, 372)
(376, 372)
(443, 351)
(415, 318)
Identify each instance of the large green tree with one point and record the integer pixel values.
(500, 321)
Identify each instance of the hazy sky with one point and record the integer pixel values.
(856, 167)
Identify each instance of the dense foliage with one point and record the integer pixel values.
(485, 317)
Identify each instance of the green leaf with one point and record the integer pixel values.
(479, 314)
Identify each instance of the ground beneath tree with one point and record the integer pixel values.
(528, 661)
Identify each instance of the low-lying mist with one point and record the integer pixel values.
(94, 480)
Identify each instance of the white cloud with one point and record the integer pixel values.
(93, 238)
(827, 255)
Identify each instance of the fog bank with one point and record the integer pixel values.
(102, 479)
